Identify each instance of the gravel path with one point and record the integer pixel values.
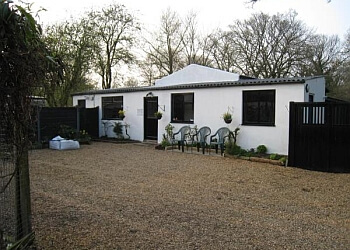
(113, 196)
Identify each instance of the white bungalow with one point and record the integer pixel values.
(198, 95)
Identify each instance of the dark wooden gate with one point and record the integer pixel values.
(89, 121)
(319, 136)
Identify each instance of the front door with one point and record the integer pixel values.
(150, 121)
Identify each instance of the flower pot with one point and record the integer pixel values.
(122, 116)
(228, 121)
(158, 115)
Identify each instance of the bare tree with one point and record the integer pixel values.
(176, 44)
(269, 46)
(165, 51)
(341, 77)
(148, 71)
(196, 47)
(114, 31)
(222, 50)
(322, 55)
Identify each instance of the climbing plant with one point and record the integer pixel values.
(25, 65)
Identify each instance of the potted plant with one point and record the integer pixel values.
(227, 117)
(118, 129)
(121, 114)
(158, 114)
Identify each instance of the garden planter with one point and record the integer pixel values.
(228, 121)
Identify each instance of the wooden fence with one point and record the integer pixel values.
(49, 120)
(319, 136)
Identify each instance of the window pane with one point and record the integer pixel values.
(252, 112)
(259, 107)
(182, 109)
(111, 107)
(266, 112)
(152, 107)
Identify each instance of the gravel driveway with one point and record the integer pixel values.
(113, 196)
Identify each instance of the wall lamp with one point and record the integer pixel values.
(150, 94)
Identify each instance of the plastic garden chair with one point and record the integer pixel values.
(200, 138)
(218, 139)
(180, 137)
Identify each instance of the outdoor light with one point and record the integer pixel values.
(150, 94)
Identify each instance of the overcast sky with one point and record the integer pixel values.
(326, 18)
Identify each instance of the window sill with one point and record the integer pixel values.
(184, 122)
(112, 119)
(258, 125)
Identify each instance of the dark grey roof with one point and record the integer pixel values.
(242, 82)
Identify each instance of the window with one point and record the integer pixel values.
(81, 103)
(311, 98)
(111, 106)
(182, 108)
(259, 107)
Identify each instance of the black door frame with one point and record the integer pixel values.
(150, 122)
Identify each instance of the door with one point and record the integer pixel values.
(150, 121)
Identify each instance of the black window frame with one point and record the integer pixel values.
(178, 108)
(259, 107)
(81, 103)
(111, 105)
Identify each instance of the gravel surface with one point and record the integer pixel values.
(131, 196)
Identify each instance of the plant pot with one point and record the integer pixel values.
(159, 117)
(122, 117)
(228, 121)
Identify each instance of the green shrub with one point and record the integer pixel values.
(283, 160)
(83, 137)
(261, 149)
(67, 132)
(118, 129)
(165, 142)
(233, 149)
(274, 157)
(70, 133)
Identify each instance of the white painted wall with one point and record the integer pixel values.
(316, 87)
(210, 104)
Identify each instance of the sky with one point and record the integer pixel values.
(325, 18)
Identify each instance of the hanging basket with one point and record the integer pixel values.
(158, 115)
(228, 121)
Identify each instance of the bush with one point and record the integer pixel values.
(261, 149)
(274, 157)
(165, 142)
(67, 132)
(283, 160)
(118, 129)
(83, 137)
(70, 133)
(232, 149)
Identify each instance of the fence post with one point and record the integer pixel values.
(38, 123)
(2, 243)
(330, 140)
(23, 202)
(78, 119)
(291, 143)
